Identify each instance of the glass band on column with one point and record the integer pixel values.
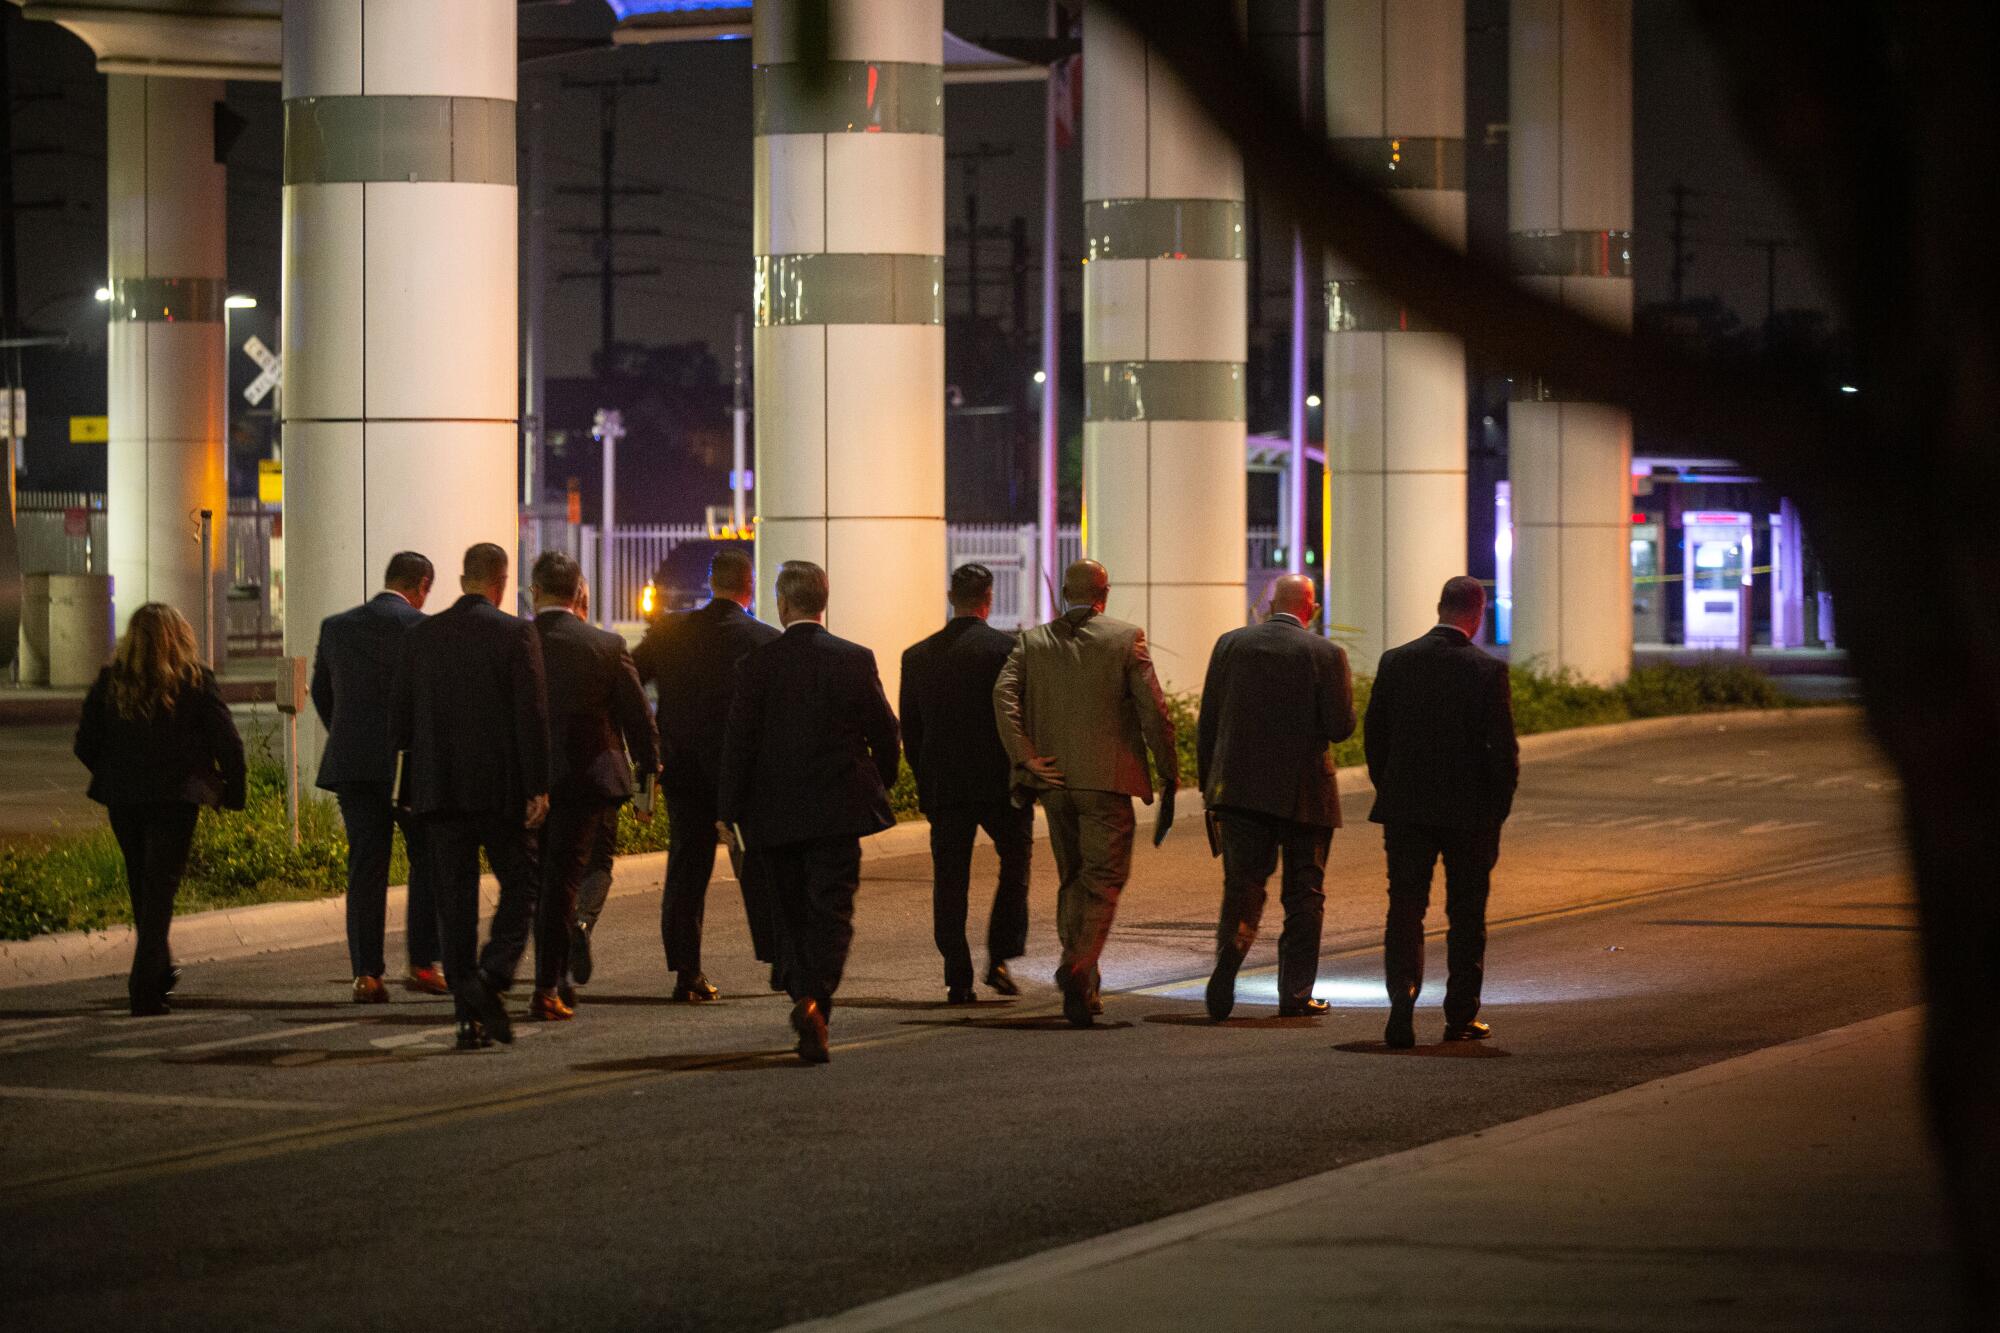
(1360, 305)
(847, 97)
(1570, 254)
(1163, 391)
(1405, 163)
(850, 289)
(345, 140)
(168, 300)
(1163, 229)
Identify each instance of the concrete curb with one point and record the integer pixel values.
(240, 932)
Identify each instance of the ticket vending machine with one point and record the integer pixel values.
(1716, 559)
(1649, 593)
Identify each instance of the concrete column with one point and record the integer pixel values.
(166, 210)
(849, 342)
(400, 318)
(1570, 219)
(1164, 323)
(1395, 387)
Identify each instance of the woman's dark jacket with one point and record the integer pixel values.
(189, 752)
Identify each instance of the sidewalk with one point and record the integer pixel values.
(1787, 1189)
(238, 932)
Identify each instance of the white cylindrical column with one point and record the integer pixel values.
(166, 207)
(850, 310)
(1164, 332)
(1570, 219)
(1395, 387)
(400, 318)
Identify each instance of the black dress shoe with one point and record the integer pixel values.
(961, 995)
(580, 966)
(484, 997)
(693, 988)
(1401, 1033)
(1470, 1031)
(472, 1037)
(1306, 1008)
(810, 1024)
(1076, 1008)
(567, 994)
(1001, 981)
(1221, 994)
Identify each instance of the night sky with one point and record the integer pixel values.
(685, 130)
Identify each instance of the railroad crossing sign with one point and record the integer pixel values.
(256, 390)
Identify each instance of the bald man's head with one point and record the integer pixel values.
(1086, 583)
(1292, 595)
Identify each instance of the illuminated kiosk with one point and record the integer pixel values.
(1395, 387)
(1570, 222)
(1164, 310)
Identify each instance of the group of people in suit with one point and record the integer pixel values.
(474, 731)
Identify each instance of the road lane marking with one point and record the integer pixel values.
(256, 1037)
(395, 1040)
(130, 1052)
(157, 1099)
(376, 1124)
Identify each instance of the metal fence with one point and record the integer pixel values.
(254, 625)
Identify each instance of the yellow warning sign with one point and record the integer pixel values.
(89, 430)
(271, 481)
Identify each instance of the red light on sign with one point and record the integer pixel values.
(1638, 518)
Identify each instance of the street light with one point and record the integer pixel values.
(1312, 400)
(102, 294)
(1041, 377)
(240, 303)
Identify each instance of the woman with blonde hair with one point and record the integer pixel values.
(159, 744)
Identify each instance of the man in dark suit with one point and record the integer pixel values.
(691, 657)
(807, 762)
(470, 707)
(1276, 696)
(353, 668)
(1079, 710)
(964, 780)
(1441, 751)
(597, 715)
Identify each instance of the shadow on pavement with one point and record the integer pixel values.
(1293, 1022)
(1041, 1023)
(879, 1003)
(717, 1061)
(1444, 1050)
(278, 1057)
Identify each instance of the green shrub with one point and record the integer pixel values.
(1714, 685)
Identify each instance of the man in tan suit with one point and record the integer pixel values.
(1079, 708)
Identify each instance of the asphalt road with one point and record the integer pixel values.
(270, 1155)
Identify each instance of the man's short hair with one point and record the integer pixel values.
(1463, 596)
(485, 563)
(408, 569)
(557, 575)
(971, 585)
(730, 572)
(803, 586)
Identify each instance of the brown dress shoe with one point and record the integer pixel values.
(430, 980)
(809, 1021)
(548, 1007)
(370, 990)
(694, 988)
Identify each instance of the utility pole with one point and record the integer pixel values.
(609, 428)
(608, 192)
(1295, 493)
(1017, 244)
(1770, 245)
(1677, 237)
(1045, 501)
(972, 157)
(739, 472)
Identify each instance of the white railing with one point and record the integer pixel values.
(1009, 550)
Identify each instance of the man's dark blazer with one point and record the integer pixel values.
(691, 657)
(1440, 735)
(470, 707)
(597, 710)
(354, 668)
(811, 748)
(189, 753)
(1276, 696)
(947, 715)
